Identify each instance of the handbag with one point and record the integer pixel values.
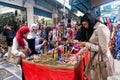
(13, 59)
(97, 69)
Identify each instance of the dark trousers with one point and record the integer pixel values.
(9, 41)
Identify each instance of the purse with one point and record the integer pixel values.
(13, 59)
(98, 69)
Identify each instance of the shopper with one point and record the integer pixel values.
(20, 45)
(9, 33)
(48, 37)
(80, 33)
(98, 46)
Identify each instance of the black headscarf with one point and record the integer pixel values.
(91, 22)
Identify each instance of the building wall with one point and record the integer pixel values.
(99, 2)
(14, 2)
(29, 8)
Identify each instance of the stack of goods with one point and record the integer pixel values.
(66, 54)
(62, 56)
(47, 60)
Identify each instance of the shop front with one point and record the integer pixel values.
(11, 15)
(43, 17)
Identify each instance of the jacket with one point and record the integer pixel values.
(100, 37)
(9, 33)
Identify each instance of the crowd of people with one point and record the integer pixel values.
(90, 35)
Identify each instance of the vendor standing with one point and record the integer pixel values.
(34, 40)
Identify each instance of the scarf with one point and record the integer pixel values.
(19, 35)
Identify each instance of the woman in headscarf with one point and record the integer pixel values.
(20, 45)
(98, 45)
(34, 40)
(80, 33)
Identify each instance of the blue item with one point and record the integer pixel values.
(117, 45)
(59, 55)
(44, 35)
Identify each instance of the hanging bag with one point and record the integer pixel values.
(12, 58)
(97, 69)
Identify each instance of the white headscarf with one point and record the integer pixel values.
(32, 34)
(34, 27)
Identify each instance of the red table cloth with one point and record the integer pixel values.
(39, 72)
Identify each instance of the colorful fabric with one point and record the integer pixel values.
(71, 33)
(117, 45)
(113, 39)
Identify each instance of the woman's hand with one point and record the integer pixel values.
(41, 39)
(23, 50)
(29, 50)
(22, 55)
(75, 41)
(81, 44)
(44, 42)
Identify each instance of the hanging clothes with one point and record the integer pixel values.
(117, 44)
(112, 42)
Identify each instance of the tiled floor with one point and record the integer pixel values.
(10, 71)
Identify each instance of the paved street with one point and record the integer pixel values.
(117, 71)
(9, 71)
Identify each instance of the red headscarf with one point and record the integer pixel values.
(19, 35)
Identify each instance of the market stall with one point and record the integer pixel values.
(56, 71)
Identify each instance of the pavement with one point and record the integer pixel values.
(117, 71)
(10, 71)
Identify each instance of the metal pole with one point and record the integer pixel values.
(64, 20)
(64, 7)
(64, 13)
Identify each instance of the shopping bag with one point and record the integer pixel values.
(97, 69)
(13, 59)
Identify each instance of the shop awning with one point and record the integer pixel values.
(81, 5)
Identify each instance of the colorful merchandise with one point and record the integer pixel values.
(117, 45)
